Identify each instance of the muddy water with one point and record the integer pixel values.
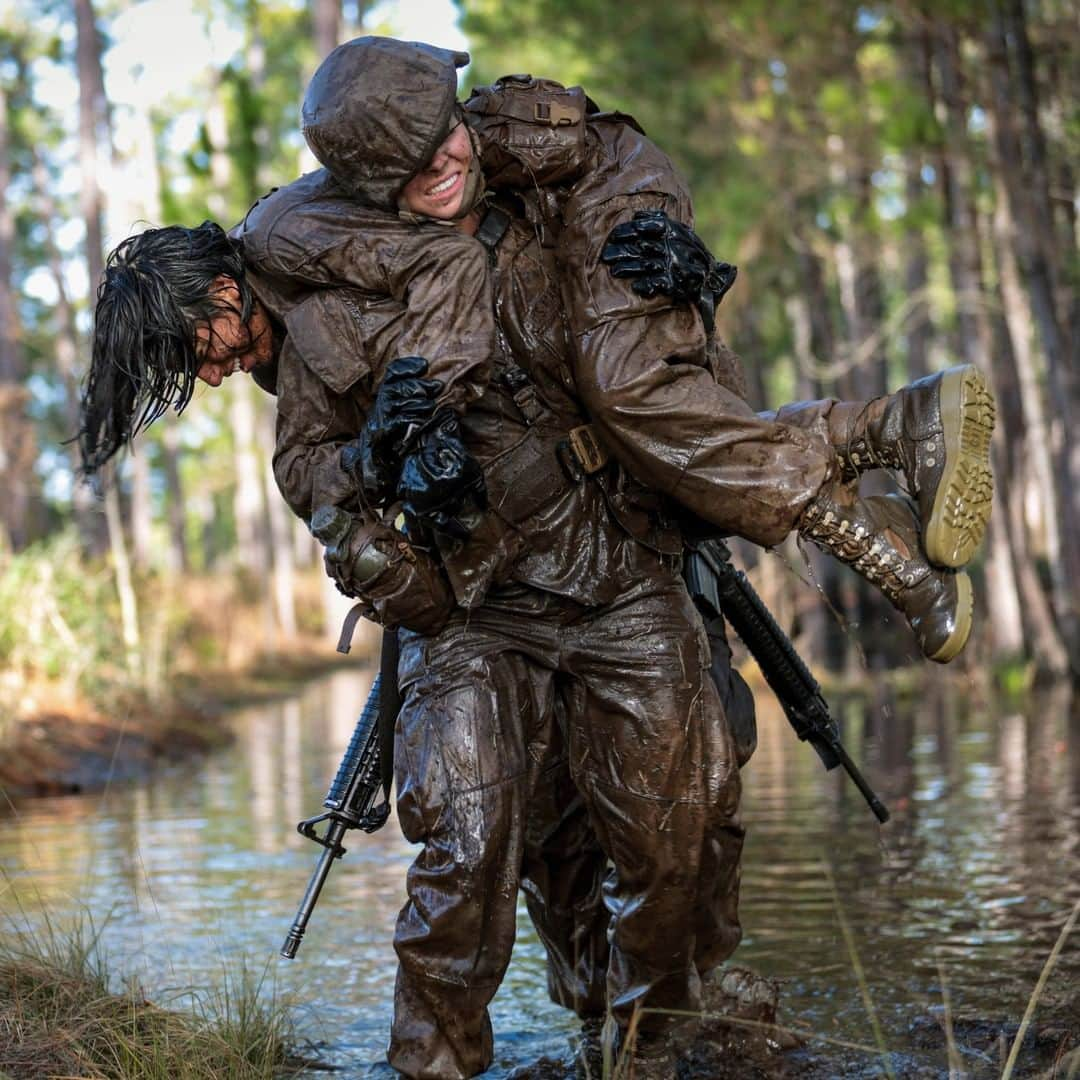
(961, 896)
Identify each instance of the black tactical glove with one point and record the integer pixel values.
(440, 481)
(404, 403)
(665, 257)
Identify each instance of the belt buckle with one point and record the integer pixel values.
(590, 454)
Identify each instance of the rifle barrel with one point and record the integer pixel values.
(331, 851)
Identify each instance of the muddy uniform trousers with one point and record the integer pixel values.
(581, 753)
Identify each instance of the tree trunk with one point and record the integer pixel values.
(217, 132)
(1027, 229)
(919, 329)
(87, 519)
(353, 13)
(1010, 24)
(1064, 89)
(249, 503)
(91, 203)
(1061, 360)
(326, 24)
(140, 512)
(1029, 443)
(281, 549)
(864, 374)
(17, 443)
(141, 203)
(178, 561)
(824, 640)
(965, 263)
(129, 614)
(1008, 550)
(255, 63)
(91, 111)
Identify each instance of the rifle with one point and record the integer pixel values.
(350, 804)
(713, 579)
(367, 765)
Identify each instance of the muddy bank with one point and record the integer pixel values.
(80, 748)
(978, 1050)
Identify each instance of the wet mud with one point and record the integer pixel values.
(86, 750)
(61, 754)
(744, 1035)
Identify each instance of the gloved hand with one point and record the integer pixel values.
(440, 480)
(665, 257)
(404, 403)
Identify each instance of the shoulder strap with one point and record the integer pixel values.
(492, 229)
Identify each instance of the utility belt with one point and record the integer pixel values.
(541, 477)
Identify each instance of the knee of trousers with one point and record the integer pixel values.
(463, 775)
(459, 921)
(462, 755)
(659, 849)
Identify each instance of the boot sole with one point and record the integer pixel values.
(965, 492)
(955, 642)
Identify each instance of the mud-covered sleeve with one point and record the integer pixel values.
(440, 277)
(643, 369)
(443, 279)
(313, 424)
(324, 385)
(433, 301)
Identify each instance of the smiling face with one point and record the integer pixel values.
(227, 344)
(438, 190)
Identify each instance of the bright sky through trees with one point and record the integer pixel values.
(159, 48)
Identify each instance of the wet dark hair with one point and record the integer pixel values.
(155, 291)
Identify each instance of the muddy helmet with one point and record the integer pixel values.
(376, 111)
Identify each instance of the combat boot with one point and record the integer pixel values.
(936, 434)
(878, 536)
(594, 1055)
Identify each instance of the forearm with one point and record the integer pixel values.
(310, 476)
(678, 431)
(313, 425)
(643, 368)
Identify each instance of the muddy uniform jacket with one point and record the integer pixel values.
(664, 397)
(354, 289)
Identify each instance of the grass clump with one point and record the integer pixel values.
(59, 1017)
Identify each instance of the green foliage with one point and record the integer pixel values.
(1014, 678)
(774, 111)
(60, 625)
(58, 613)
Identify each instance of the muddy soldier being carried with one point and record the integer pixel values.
(437, 318)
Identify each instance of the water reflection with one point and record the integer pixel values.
(971, 881)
